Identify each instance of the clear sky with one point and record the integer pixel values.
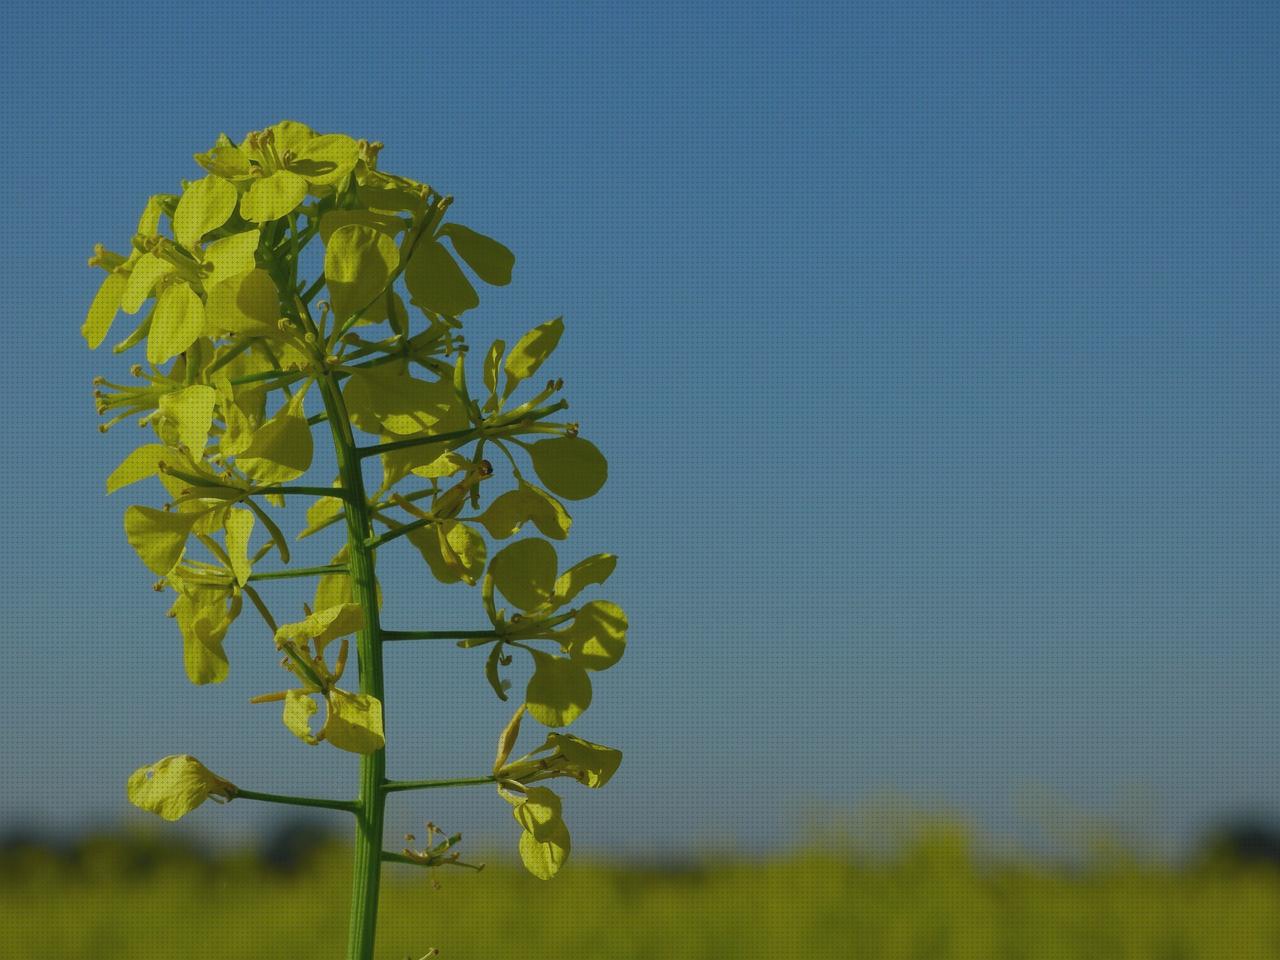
(933, 347)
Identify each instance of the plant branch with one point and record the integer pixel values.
(471, 433)
(301, 572)
(394, 786)
(348, 805)
(441, 635)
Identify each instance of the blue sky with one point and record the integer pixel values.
(933, 347)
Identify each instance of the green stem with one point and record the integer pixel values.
(405, 528)
(300, 572)
(470, 433)
(392, 786)
(348, 805)
(370, 808)
(338, 493)
(312, 290)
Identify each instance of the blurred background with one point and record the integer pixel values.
(933, 349)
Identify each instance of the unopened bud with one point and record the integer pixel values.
(102, 427)
(99, 380)
(158, 586)
(136, 370)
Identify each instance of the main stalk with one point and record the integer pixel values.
(370, 806)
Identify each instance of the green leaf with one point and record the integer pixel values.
(175, 786)
(525, 572)
(230, 256)
(177, 322)
(326, 160)
(299, 708)
(545, 858)
(273, 197)
(141, 463)
(206, 205)
(436, 283)
(384, 402)
(323, 626)
(102, 312)
(527, 355)
(358, 263)
(597, 637)
(538, 812)
(281, 448)
(226, 160)
(190, 410)
(156, 536)
(509, 512)
(148, 270)
(559, 690)
(594, 763)
(247, 303)
(491, 261)
(239, 528)
(354, 722)
(570, 466)
(581, 575)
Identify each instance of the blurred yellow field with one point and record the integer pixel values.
(934, 901)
